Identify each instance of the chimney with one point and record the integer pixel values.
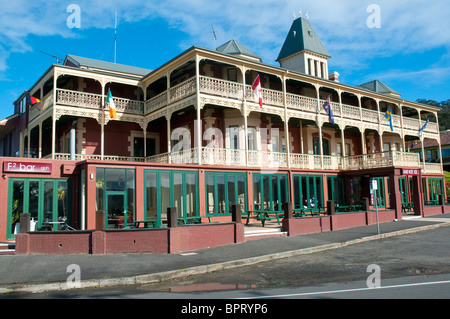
(334, 76)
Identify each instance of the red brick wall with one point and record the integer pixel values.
(156, 241)
(54, 243)
(301, 226)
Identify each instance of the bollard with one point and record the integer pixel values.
(287, 208)
(24, 223)
(365, 204)
(99, 220)
(331, 209)
(236, 214)
(441, 200)
(172, 217)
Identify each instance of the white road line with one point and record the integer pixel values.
(349, 290)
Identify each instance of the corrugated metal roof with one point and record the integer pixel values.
(302, 37)
(77, 61)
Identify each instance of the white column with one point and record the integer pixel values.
(102, 122)
(28, 143)
(199, 120)
(40, 140)
(55, 78)
(169, 141)
(286, 126)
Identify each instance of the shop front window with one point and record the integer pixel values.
(47, 201)
(224, 190)
(170, 189)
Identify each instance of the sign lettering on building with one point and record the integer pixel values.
(410, 171)
(27, 167)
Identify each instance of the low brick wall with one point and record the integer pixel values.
(130, 241)
(310, 225)
(434, 210)
(54, 242)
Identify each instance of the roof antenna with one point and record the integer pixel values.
(115, 39)
(214, 35)
(58, 60)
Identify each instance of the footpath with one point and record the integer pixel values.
(40, 273)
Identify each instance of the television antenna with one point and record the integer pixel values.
(58, 60)
(214, 35)
(115, 39)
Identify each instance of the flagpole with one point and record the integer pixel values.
(115, 39)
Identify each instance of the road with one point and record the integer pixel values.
(414, 266)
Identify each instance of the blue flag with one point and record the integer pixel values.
(388, 116)
(327, 107)
(423, 127)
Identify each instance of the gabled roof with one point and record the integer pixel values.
(302, 37)
(81, 62)
(378, 87)
(235, 48)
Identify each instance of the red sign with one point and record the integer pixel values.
(27, 167)
(411, 172)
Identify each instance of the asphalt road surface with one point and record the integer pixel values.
(413, 266)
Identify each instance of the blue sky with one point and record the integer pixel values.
(410, 51)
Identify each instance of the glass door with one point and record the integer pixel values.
(403, 189)
(116, 214)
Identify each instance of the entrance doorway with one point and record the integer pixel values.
(116, 213)
(116, 192)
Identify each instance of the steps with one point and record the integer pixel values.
(7, 248)
(251, 233)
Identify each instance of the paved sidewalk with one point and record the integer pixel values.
(38, 273)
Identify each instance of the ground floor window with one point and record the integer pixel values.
(223, 190)
(165, 189)
(308, 192)
(435, 188)
(335, 190)
(47, 201)
(116, 195)
(270, 191)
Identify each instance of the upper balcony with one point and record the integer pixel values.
(274, 160)
(220, 88)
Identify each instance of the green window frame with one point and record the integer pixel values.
(335, 189)
(170, 188)
(107, 187)
(325, 146)
(41, 197)
(269, 193)
(403, 185)
(435, 188)
(305, 187)
(223, 189)
(381, 194)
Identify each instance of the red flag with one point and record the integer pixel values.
(256, 87)
(31, 100)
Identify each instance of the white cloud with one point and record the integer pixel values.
(261, 26)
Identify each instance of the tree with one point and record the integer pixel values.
(443, 114)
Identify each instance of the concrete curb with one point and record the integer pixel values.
(198, 270)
